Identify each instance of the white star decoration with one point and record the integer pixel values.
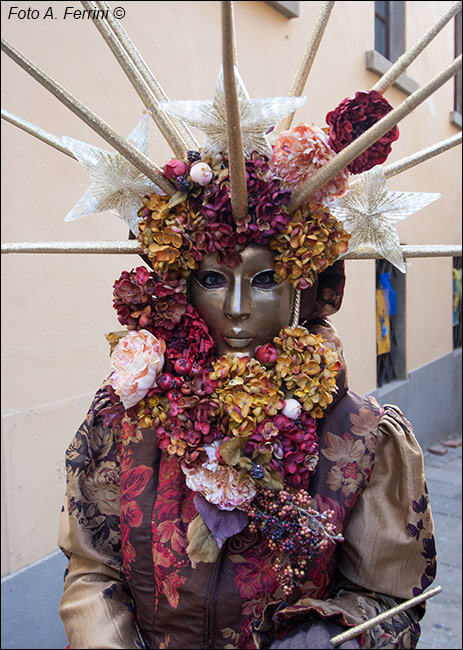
(117, 185)
(369, 212)
(256, 117)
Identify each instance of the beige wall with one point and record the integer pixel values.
(56, 309)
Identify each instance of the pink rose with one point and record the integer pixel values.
(175, 168)
(201, 173)
(137, 361)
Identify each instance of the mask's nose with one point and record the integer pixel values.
(238, 301)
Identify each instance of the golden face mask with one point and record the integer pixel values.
(243, 307)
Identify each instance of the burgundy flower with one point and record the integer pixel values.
(142, 275)
(353, 117)
(128, 291)
(298, 441)
(145, 300)
(175, 168)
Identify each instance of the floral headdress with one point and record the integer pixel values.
(243, 429)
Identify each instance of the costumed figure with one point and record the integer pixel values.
(227, 489)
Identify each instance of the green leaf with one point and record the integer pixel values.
(202, 546)
(230, 450)
(178, 197)
(271, 481)
(245, 463)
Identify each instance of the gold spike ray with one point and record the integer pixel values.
(133, 247)
(145, 71)
(411, 54)
(369, 137)
(141, 162)
(236, 163)
(164, 123)
(300, 79)
(421, 156)
(37, 132)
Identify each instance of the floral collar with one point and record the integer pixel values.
(243, 429)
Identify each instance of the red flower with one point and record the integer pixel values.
(350, 470)
(267, 354)
(174, 168)
(131, 515)
(191, 339)
(134, 482)
(128, 291)
(353, 117)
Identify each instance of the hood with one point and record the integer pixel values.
(329, 295)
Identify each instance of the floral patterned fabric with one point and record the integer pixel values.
(125, 530)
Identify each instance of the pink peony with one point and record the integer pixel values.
(137, 361)
(221, 485)
(299, 153)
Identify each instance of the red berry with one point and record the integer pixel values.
(166, 381)
(182, 366)
(196, 369)
(174, 395)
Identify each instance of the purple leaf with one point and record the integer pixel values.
(222, 523)
(421, 505)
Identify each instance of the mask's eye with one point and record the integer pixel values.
(210, 279)
(264, 280)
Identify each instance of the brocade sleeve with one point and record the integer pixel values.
(388, 554)
(96, 606)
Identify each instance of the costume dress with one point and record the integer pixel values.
(130, 584)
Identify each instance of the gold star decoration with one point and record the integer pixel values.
(117, 185)
(257, 116)
(370, 212)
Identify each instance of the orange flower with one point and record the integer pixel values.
(308, 367)
(311, 241)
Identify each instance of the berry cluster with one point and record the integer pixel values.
(295, 532)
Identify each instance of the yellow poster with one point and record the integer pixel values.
(383, 325)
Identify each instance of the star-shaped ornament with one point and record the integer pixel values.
(257, 116)
(117, 185)
(370, 212)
